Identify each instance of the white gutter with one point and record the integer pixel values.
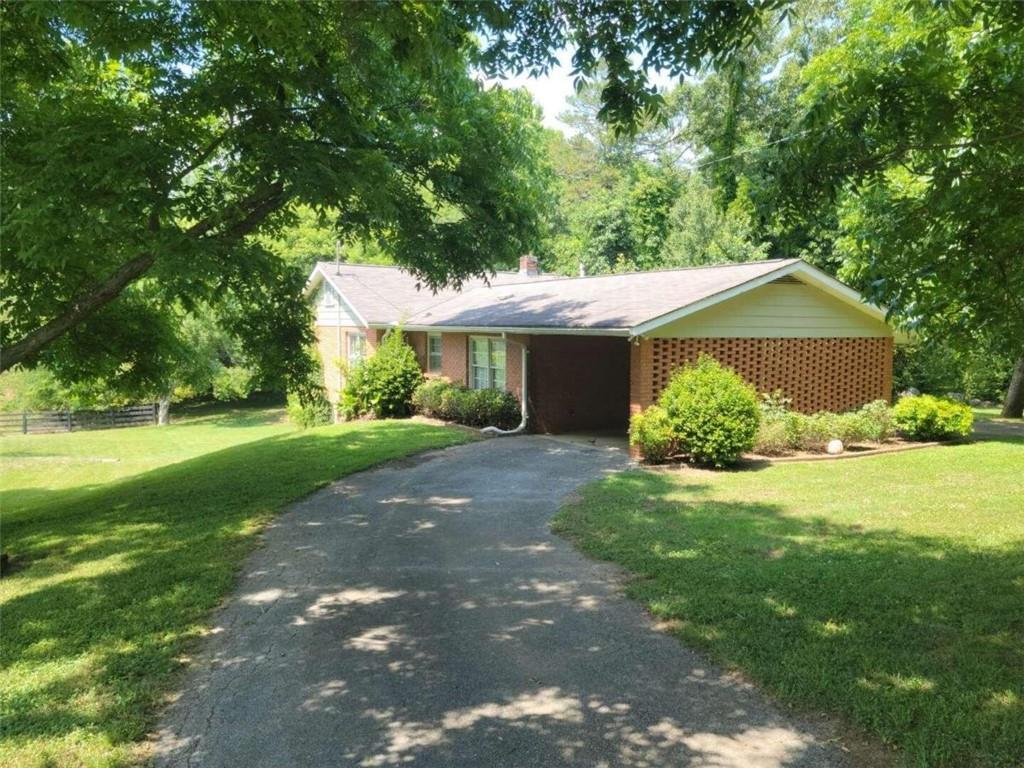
(522, 424)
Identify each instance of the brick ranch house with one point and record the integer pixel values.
(592, 350)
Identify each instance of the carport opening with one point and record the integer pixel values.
(578, 384)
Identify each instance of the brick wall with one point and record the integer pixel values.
(330, 350)
(818, 374)
(578, 383)
(454, 354)
(418, 341)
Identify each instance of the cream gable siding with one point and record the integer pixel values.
(330, 310)
(777, 310)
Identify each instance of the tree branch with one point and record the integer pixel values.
(98, 297)
(256, 208)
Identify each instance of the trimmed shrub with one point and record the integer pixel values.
(923, 417)
(382, 385)
(712, 411)
(489, 407)
(651, 433)
(427, 397)
(441, 399)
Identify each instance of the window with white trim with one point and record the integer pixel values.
(486, 363)
(433, 352)
(356, 343)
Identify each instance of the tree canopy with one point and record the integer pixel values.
(911, 131)
(146, 141)
(145, 144)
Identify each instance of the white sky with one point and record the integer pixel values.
(552, 91)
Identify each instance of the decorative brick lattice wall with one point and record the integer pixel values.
(817, 374)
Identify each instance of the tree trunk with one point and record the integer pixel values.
(164, 410)
(1013, 406)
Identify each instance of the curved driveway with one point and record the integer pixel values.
(422, 614)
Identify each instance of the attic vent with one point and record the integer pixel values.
(787, 280)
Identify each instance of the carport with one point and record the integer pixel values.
(578, 383)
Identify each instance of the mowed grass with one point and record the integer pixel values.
(123, 542)
(888, 589)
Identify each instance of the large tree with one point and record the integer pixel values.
(144, 142)
(913, 125)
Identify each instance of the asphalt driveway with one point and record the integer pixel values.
(422, 614)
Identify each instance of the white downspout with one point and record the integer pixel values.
(522, 424)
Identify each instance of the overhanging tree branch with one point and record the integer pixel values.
(83, 307)
(256, 208)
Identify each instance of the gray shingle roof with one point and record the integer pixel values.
(599, 302)
(386, 295)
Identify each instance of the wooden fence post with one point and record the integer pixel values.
(69, 419)
(24, 422)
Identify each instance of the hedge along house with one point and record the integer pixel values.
(589, 351)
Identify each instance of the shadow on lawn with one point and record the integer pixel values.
(918, 639)
(120, 578)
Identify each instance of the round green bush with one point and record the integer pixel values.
(383, 384)
(651, 433)
(713, 412)
(923, 417)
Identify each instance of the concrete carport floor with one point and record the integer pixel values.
(422, 614)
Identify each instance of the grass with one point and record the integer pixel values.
(992, 414)
(888, 590)
(123, 542)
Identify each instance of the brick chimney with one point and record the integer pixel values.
(528, 265)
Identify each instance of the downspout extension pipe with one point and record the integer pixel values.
(522, 424)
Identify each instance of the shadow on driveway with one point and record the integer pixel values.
(424, 615)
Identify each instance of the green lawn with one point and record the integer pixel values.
(888, 589)
(123, 542)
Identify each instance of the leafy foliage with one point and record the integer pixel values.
(651, 433)
(441, 399)
(783, 431)
(935, 367)
(908, 122)
(713, 413)
(924, 417)
(308, 405)
(701, 233)
(383, 384)
(206, 123)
